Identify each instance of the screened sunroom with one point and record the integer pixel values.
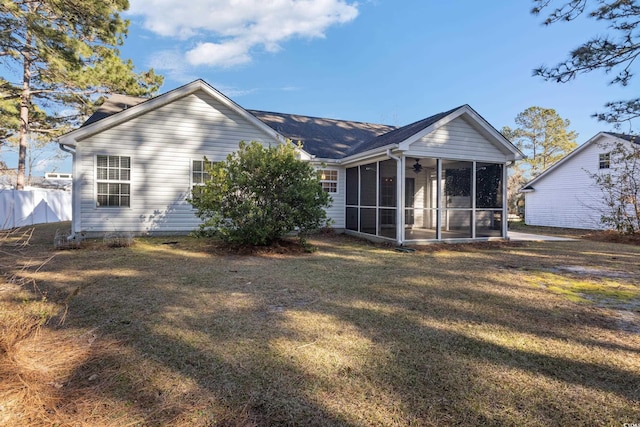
(413, 199)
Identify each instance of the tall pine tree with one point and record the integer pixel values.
(58, 58)
(542, 136)
(614, 51)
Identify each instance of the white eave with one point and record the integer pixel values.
(375, 152)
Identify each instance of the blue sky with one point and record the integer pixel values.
(382, 61)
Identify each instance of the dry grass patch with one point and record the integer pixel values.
(183, 332)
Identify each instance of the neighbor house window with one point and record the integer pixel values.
(605, 161)
(329, 180)
(113, 179)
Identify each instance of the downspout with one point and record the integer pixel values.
(74, 187)
(399, 199)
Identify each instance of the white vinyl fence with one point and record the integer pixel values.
(27, 207)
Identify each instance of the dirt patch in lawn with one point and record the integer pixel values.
(607, 288)
(628, 320)
(594, 271)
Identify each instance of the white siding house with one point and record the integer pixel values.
(136, 161)
(161, 147)
(565, 195)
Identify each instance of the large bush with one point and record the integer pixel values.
(259, 194)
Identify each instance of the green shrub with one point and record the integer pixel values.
(260, 194)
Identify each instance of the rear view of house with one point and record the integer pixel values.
(566, 194)
(442, 178)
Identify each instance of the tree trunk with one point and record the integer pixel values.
(25, 100)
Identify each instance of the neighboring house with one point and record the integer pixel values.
(565, 195)
(50, 180)
(441, 178)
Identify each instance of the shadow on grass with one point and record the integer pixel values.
(354, 334)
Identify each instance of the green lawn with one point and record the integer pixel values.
(178, 331)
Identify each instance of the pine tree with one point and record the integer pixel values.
(59, 57)
(615, 52)
(542, 136)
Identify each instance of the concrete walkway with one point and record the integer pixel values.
(516, 236)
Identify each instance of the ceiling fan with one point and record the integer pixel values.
(417, 167)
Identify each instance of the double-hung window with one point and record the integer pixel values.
(199, 171)
(329, 180)
(604, 161)
(113, 181)
(199, 175)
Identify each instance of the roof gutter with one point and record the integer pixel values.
(63, 147)
(368, 154)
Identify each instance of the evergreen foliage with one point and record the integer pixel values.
(260, 194)
(614, 52)
(542, 136)
(58, 58)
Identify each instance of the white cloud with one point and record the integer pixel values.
(226, 31)
(228, 53)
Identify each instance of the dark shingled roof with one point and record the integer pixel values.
(114, 104)
(323, 138)
(631, 138)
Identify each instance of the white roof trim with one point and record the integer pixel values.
(368, 154)
(71, 138)
(569, 156)
(476, 118)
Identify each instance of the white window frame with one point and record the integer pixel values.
(326, 182)
(604, 161)
(108, 180)
(201, 172)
